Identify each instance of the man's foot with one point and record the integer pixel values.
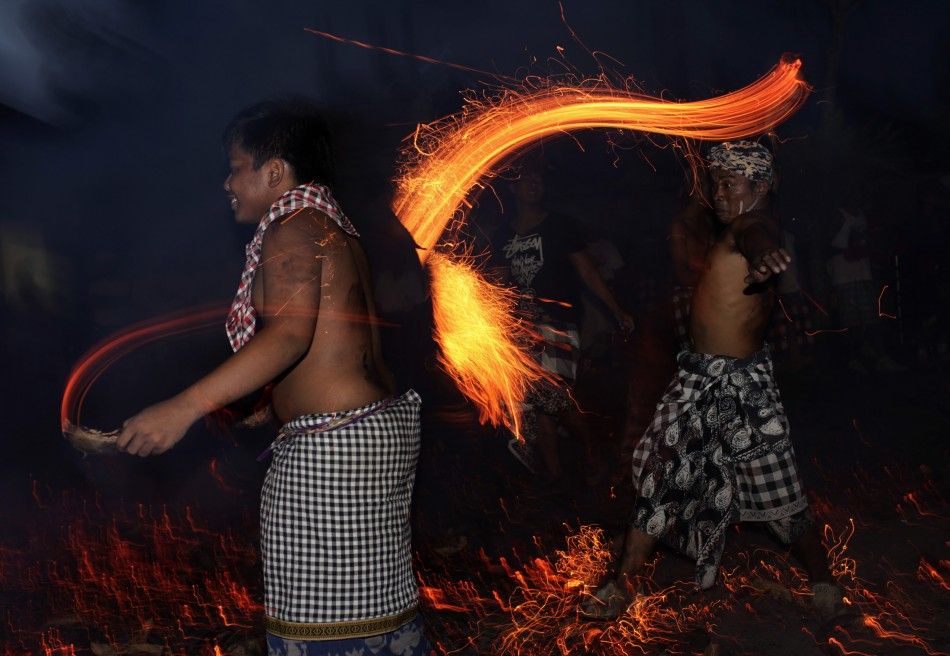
(828, 600)
(608, 602)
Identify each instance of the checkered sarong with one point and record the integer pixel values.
(717, 451)
(335, 537)
(242, 319)
(557, 351)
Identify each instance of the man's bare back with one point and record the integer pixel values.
(308, 255)
(729, 315)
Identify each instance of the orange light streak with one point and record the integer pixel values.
(399, 53)
(844, 650)
(147, 568)
(456, 152)
(453, 156)
(927, 572)
(837, 331)
(481, 345)
(898, 636)
(104, 354)
(815, 303)
(881, 313)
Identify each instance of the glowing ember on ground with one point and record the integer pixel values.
(528, 605)
(130, 581)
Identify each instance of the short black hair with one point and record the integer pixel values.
(291, 129)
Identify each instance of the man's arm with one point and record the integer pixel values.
(595, 283)
(291, 269)
(759, 242)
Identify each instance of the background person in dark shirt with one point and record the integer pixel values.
(545, 257)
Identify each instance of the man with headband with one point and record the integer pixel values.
(718, 449)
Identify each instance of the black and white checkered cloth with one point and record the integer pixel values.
(335, 536)
(716, 452)
(558, 349)
(769, 486)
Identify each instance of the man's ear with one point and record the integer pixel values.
(276, 171)
(760, 189)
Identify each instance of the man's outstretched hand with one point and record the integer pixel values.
(768, 264)
(157, 428)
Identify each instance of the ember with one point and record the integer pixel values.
(147, 580)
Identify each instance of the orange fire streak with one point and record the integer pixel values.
(116, 346)
(458, 151)
(482, 347)
(107, 352)
(479, 335)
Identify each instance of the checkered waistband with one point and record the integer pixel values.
(328, 421)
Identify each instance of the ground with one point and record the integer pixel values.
(502, 560)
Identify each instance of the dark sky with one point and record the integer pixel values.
(111, 110)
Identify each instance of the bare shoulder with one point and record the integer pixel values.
(307, 229)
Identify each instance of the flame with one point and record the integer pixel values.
(458, 151)
(476, 333)
(541, 614)
(482, 343)
(450, 157)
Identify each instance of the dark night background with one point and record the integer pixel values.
(113, 210)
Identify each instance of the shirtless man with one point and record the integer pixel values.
(718, 449)
(335, 537)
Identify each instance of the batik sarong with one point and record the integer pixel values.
(335, 536)
(717, 452)
(407, 640)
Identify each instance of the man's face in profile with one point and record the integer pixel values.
(733, 194)
(250, 194)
